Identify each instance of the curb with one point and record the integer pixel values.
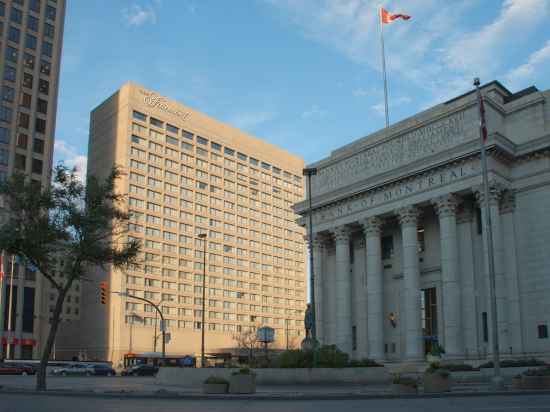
(282, 396)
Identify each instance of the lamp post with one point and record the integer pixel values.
(497, 378)
(155, 336)
(202, 236)
(162, 323)
(311, 171)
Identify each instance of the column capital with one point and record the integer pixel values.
(446, 205)
(341, 234)
(372, 225)
(508, 202)
(319, 241)
(408, 215)
(496, 190)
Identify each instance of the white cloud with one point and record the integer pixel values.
(478, 51)
(537, 61)
(314, 111)
(249, 120)
(137, 15)
(71, 158)
(379, 107)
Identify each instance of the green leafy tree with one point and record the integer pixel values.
(85, 225)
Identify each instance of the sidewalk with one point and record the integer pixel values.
(317, 392)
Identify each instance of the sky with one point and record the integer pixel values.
(304, 75)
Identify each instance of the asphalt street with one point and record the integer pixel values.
(32, 403)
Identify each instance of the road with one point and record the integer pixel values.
(32, 403)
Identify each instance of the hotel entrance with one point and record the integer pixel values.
(429, 318)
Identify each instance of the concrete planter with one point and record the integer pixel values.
(517, 383)
(399, 389)
(433, 358)
(214, 388)
(535, 382)
(242, 383)
(435, 383)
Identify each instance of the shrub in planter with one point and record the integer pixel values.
(458, 367)
(402, 385)
(536, 378)
(517, 382)
(214, 384)
(435, 353)
(363, 363)
(437, 379)
(242, 381)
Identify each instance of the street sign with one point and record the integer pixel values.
(162, 325)
(265, 334)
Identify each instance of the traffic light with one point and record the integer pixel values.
(103, 292)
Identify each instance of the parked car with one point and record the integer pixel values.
(76, 369)
(16, 369)
(102, 370)
(140, 370)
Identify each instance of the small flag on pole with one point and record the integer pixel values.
(1, 266)
(388, 18)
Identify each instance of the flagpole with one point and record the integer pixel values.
(384, 68)
(497, 378)
(10, 304)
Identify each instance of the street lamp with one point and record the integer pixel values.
(202, 236)
(311, 171)
(162, 322)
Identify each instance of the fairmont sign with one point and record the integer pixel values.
(155, 101)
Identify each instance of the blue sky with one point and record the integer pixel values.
(301, 74)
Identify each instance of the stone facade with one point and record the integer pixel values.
(400, 244)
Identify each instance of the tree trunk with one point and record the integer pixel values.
(41, 375)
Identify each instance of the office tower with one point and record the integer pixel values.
(31, 34)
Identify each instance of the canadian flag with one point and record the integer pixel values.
(388, 18)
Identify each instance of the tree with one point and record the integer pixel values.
(247, 342)
(83, 224)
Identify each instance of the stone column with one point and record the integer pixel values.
(372, 228)
(507, 208)
(445, 206)
(495, 193)
(320, 303)
(408, 218)
(343, 290)
(470, 313)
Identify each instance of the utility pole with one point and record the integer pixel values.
(202, 236)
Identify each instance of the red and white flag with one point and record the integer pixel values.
(1, 266)
(387, 18)
(483, 122)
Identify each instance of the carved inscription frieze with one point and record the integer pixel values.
(397, 191)
(401, 150)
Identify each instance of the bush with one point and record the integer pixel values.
(244, 371)
(363, 363)
(514, 363)
(537, 372)
(329, 356)
(216, 380)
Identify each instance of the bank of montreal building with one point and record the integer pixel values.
(399, 237)
(185, 174)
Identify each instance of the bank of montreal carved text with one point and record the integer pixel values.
(397, 152)
(379, 197)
